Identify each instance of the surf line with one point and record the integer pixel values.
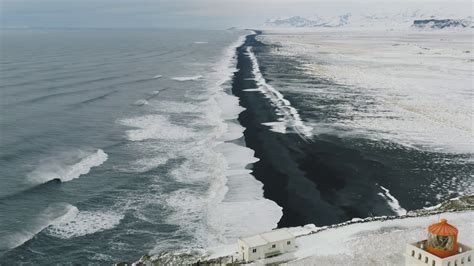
(290, 116)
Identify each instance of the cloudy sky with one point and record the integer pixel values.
(196, 13)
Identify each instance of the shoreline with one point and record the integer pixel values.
(327, 176)
(303, 177)
(310, 234)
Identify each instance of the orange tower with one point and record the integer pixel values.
(442, 239)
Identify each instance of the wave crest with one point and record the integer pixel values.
(187, 78)
(67, 167)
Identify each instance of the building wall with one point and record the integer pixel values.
(417, 256)
(261, 251)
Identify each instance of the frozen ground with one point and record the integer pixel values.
(373, 243)
(420, 81)
(367, 243)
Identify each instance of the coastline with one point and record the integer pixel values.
(312, 240)
(300, 176)
(284, 162)
(327, 176)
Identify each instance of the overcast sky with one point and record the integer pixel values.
(196, 13)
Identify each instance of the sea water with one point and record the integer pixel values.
(119, 143)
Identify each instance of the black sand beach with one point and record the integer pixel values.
(323, 181)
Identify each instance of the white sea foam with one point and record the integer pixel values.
(80, 223)
(154, 92)
(289, 116)
(234, 131)
(170, 107)
(140, 102)
(146, 164)
(157, 76)
(155, 127)
(229, 105)
(392, 202)
(200, 42)
(190, 78)
(67, 166)
(232, 203)
(54, 213)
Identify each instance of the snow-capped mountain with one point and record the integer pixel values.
(441, 23)
(301, 22)
(405, 19)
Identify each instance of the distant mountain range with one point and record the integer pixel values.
(442, 23)
(301, 22)
(416, 19)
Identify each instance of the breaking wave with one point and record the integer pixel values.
(289, 116)
(219, 199)
(67, 167)
(197, 77)
(392, 202)
(55, 213)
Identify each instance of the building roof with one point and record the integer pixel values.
(277, 235)
(268, 237)
(254, 241)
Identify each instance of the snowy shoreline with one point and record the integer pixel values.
(321, 243)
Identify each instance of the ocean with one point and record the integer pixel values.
(119, 143)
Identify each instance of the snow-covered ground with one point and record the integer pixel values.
(373, 243)
(364, 243)
(420, 81)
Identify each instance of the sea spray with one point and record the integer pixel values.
(67, 167)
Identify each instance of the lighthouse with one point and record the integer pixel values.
(440, 249)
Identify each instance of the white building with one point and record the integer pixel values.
(266, 245)
(417, 255)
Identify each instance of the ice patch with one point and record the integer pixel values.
(392, 202)
(80, 223)
(187, 78)
(67, 167)
(289, 116)
(155, 127)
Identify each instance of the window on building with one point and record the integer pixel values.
(288, 242)
(426, 260)
(273, 246)
(419, 256)
(433, 263)
(469, 258)
(462, 260)
(254, 250)
(441, 242)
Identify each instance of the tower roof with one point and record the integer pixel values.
(443, 229)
